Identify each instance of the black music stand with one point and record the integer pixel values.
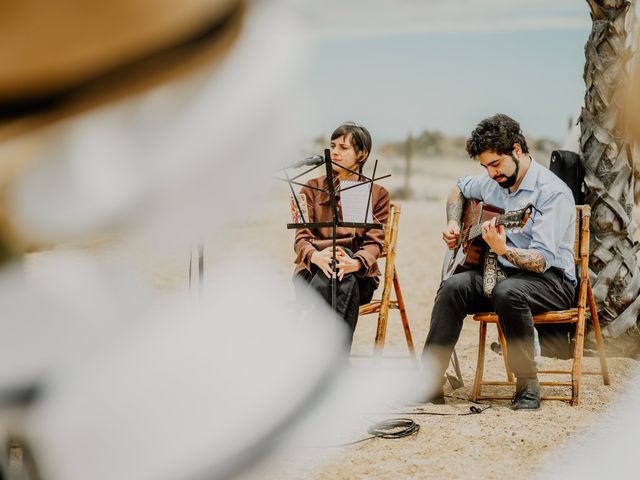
(333, 202)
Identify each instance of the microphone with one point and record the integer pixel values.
(307, 162)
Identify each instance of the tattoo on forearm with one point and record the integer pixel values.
(531, 260)
(455, 204)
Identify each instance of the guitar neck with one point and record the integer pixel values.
(476, 230)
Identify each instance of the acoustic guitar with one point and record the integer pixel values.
(470, 250)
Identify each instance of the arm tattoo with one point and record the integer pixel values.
(455, 204)
(531, 260)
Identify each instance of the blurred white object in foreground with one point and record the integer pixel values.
(206, 391)
(607, 449)
(136, 386)
(162, 387)
(59, 307)
(192, 391)
(175, 163)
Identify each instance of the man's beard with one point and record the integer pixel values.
(511, 179)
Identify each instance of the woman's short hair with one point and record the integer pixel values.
(360, 138)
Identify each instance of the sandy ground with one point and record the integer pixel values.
(494, 444)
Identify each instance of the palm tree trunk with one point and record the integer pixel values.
(609, 169)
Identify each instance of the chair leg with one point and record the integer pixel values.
(604, 368)
(576, 370)
(382, 330)
(477, 382)
(383, 316)
(405, 320)
(505, 353)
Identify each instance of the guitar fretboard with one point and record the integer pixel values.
(515, 219)
(469, 234)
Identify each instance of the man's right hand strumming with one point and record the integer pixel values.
(451, 233)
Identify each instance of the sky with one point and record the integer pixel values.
(409, 65)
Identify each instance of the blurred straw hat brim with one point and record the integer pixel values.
(65, 57)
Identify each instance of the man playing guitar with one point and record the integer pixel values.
(537, 260)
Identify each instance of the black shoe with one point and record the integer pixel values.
(527, 396)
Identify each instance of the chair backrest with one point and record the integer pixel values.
(391, 229)
(581, 250)
(583, 214)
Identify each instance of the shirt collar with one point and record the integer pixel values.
(530, 178)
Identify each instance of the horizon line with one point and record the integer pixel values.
(506, 26)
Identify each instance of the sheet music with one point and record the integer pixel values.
(354, 201)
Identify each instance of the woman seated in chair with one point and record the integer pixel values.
(357, 249)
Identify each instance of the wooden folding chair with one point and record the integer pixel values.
(574, 315)
(382, 306)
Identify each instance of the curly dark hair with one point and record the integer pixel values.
(497, 133)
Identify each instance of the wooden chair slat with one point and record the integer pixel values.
(568, 316)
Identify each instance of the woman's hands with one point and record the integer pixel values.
(345, 264)
(323, 259)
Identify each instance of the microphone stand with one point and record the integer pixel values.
(333, 204)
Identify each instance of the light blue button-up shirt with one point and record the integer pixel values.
(551, 230)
